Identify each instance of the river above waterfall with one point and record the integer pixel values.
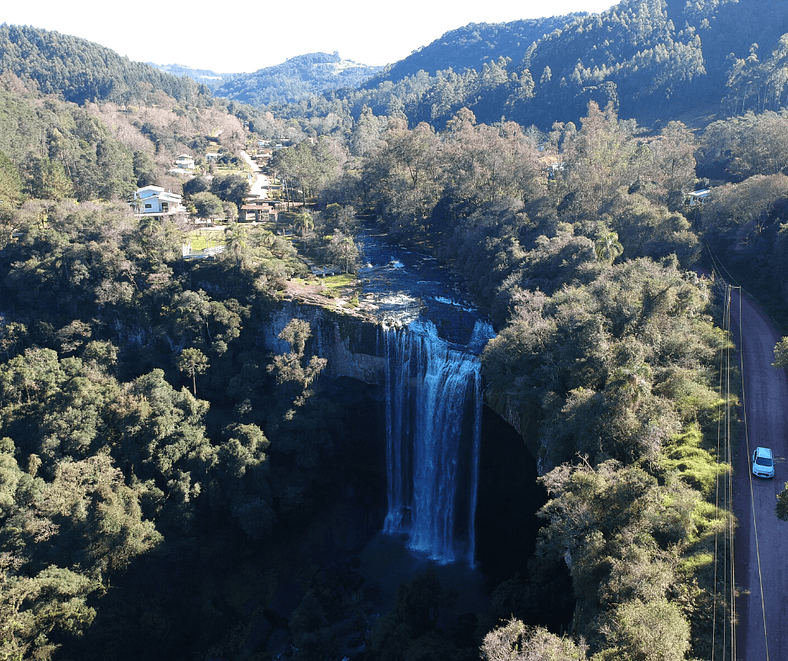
(401, 286)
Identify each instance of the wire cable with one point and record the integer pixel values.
(722, 493)
(729, 485)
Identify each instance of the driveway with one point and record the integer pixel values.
(761, 541)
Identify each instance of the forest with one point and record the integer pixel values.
(655, 60)
(170, 488)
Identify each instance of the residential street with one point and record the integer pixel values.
(261, 183)
(761, 541)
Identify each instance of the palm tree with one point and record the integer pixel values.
(304, 223)
(236, 245)
(631, 382)
(607, 246)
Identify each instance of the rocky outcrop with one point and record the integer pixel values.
(351, 343)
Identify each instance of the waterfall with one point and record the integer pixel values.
(433, 427)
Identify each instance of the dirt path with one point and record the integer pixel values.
(761, 546)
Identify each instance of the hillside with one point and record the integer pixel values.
(296, 78)
(79, 70)
(653, 59)
(473, 45)
(53, 149)
(656, 57)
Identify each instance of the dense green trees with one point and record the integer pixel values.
(60, 150)
(66, 528)
(745, 146)
(499, 202)
(207, 206)
(109, 468)
(515, 642)
(10, 184)
(81, 71)
(781, 353)
(306, 168)
(744, 223)
(230, 188)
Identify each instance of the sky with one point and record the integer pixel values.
(245, 35)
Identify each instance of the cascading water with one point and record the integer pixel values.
(433, 426)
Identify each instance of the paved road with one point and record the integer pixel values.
(261, 183)
(761, 539)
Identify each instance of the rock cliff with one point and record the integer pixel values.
(350, 342)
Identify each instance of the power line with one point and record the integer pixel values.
(720, 454)
(718, 269)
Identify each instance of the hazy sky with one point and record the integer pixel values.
(242, 35)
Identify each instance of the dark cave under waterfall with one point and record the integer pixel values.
(433, 427)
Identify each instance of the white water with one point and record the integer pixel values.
(433, 426)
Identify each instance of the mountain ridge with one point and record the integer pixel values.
(652, 59)
(211, 79)
(509, 39)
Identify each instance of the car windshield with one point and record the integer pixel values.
(763, 461)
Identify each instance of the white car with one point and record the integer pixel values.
(763, 462)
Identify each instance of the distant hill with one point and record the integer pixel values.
(295, 79)
(79, 70)
(211, 79)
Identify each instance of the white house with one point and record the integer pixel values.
(154, 200)
(184, 162)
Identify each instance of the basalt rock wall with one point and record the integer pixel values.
(353, 344)
(350, 342)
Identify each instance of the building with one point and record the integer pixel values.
(155, 201)
(698, 197)
(184, 162)
(258, 211)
